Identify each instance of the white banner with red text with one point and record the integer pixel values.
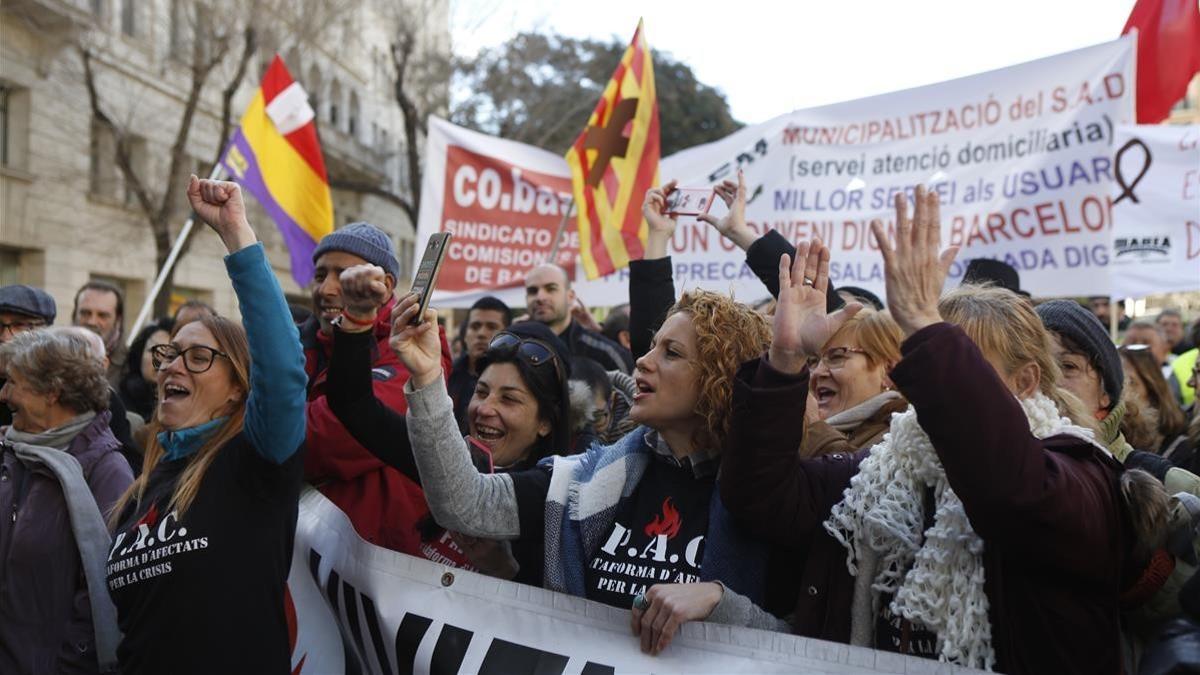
(359, 608)
(1021, 156)
(1156, 210)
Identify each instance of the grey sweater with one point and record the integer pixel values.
(485, 505)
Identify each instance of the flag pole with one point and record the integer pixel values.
(148, 304)
(562, 227)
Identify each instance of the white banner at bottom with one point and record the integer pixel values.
(360, 608)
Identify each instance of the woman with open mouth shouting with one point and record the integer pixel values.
(203, 537)
(638, 524)
(516, 416)
(851, 399)
(950, 538)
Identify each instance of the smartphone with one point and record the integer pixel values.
(427, 272)
(689, 201)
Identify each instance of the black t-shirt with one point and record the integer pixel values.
(205, 593)
(657, 536)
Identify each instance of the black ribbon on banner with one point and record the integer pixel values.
(1127, 189)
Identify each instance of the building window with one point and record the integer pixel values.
(102, 176)
(4, 125)
(352, 118)
(138, 158)
(181, 28)
(10, 267)
(129, 18)
(98, 8)
(14, 126)
(335, 95)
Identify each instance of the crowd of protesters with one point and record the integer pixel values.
(975, 476)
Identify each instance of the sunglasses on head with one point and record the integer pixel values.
(532, 350)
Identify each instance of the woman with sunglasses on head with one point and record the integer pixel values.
(637, 524)
(203, 538)
(516, 416)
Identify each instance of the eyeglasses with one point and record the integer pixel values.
(19, 326)
(535, 352)
(197, 358)
(834, 358)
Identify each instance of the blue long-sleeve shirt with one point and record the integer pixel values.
(275, 406)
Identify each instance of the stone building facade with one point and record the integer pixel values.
(65, 214)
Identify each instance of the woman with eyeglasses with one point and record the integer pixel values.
(851, 399)
(987, 529)
(203, 538)
(517, 415)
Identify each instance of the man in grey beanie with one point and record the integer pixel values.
(354, 244)
(385, 507)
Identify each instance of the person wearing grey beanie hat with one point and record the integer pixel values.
(354, 244)
(1091, 366)
(365, 241)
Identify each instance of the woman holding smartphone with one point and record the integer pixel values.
(516, 416)
(637, 524)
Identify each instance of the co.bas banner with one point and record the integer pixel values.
(359, 608)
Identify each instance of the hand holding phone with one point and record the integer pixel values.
(427, 271)
(686, 201)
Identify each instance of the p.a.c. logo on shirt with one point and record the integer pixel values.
(1142, 247)
(667, 524)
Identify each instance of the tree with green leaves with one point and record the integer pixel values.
(540, 88)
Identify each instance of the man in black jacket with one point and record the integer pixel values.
(548, 297)
(488, 316)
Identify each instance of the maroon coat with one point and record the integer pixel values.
(45, 614)
(1049, 511)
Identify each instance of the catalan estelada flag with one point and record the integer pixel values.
(275, 156)
(614, 161)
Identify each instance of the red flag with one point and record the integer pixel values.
(1168, 54)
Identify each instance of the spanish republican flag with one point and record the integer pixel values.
(275, 156)
(614, 161)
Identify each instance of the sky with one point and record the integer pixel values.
(769, 58)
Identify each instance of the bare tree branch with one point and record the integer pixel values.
(408, 207)
(124, 159)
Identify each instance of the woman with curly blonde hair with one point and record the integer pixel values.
(638, 524)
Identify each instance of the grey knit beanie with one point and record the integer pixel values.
(365, 241)
(1070, 319)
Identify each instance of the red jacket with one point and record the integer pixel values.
(386, 507)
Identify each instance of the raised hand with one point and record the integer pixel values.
(733, 225)
(580, 313)
(915, 271)
(661, 226)
(417, 347)
(801, 325)
(671, 606)
(364, 291)
(219, 204)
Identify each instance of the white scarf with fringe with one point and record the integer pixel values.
(935, 576)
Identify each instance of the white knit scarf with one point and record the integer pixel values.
(935, 576)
